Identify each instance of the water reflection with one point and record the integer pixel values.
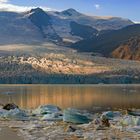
(83, 97)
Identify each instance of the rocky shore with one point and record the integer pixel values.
(49, 122)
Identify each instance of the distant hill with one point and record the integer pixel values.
(130, 49)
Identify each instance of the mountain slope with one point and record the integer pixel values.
(38, 26)
(17, 28)
(83, 31)
(61, 22)
(108, 42)
(99, 23)
(39, 18)
(43, 21)
(130, 49)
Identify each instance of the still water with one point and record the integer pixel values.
(77, 96)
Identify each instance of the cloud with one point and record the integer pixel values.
(136, 22)
(97, 6)
(6, 6)
(3, 1)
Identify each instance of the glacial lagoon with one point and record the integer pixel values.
(76, 96)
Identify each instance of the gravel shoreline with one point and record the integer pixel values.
(109, 125)
(7, 133)
(41, 130)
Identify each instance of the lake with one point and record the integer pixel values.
(77, 96)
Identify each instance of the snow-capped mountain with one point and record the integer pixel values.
(37, 25)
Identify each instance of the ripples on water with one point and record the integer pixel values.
(77, 96)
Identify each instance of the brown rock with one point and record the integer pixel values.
(70, 129)
(105, 122)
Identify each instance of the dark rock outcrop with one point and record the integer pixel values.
(10, 106)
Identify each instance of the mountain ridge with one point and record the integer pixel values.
(38, 25)
(108, 42)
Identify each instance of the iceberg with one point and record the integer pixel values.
(46, 109)
(13, 114)
(74, 116)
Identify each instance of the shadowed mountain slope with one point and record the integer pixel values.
(106, 43)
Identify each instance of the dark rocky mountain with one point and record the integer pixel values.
(130, 49)
(83, 31)
(39, 18)
(43, 21)
(106, 43)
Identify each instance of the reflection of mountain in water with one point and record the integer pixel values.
(83, 97)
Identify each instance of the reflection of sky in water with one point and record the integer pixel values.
(84, 97)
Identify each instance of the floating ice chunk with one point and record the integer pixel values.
(53, 117)
(14, 114)
(46, 109)
(75, 116)
(111, 114)
(130, 121)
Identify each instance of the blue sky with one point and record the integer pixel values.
(123, 8)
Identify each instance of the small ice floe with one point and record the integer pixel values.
(111, 115)
(135, 112)
(8, 92)
(2, 113)
(132, 90)
(53, 117)
(129, 90)
(46, 109)
(17, 114)
(13, 114)
(135, 129)
(130, 121)
(75, 116)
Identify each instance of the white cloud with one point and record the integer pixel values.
(3, 1)
(97, 6)
(6, 6)
(136, 22)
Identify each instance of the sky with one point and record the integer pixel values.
(120, 8)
